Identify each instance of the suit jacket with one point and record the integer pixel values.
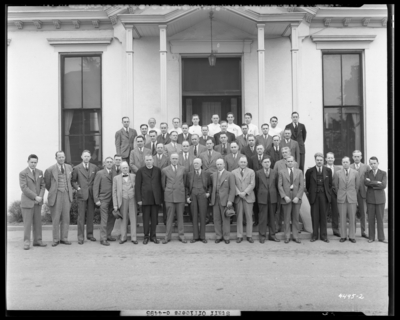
(294, 148)
(335, 169)
(281, 165)
(301, 135)
(102, 186)
(114, 171)
(230, 163)
(210, 166)
(181, 138)
(230, 136)
(136, 160)
(117, 189)
(248, 153)
(311, 183)
(227, 188)
(84, 180)
(265, 142)
(218, 148)
(347, 190)
(31, 188)
(274, 155)
(147, 140)
(284, 185)
(200, 149)
(161, 139)
(375, 191)
(51, 180)
(205, 176)
(267, 189)
(173, 184)
(169, 149)
(246, 184)
(241, 142)
(148, 146)
(203, 141)
(188, 165)
(255, 164)
(123, 142)
(361, 171)
(148, 187)
(161, 163)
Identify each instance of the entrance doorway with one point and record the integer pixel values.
(210, 90)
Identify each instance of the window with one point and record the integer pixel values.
(343, 104)
(81, 107)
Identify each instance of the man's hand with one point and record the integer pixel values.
(98, 203)
(38, 199)
(242, 195)
(229, 204)
(188, 200)
(379, 182)
(207, 195)
(295, 200)
(139, 203)
(368, 179)
(287, 199)
(115, 208)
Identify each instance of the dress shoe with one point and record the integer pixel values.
(250, 239)
(227, 241)
(39, 245)
(104, 242)
(156, 241)
(122, 241)
(352, 240)
(146, 241)
(342, 239)
(111, 239)
(165, 241)
(336, 234)
(325, 240)
(274, 239)
(218, 240)
(193, 240)
(26, 247)
(134, 242)
(364, 235)
(262, 240)
(91, 238)
(297, 241)
(384, 241)
(312, 240)
(255, 224)
(370, 240)
(80, 241)
(287, 240)
(239, 240)
(54, 244)
(65, 242)
(183, 240)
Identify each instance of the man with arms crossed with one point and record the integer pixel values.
(31, 181)
(334, 211)
(124, 139)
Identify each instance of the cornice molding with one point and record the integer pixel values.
(343, 41)
(346, 22)
(74, 41)
(288, 30)
(267, 17)
(38, 24)
(202, 46)
(96, 23)
(76, 23)
(347, 37)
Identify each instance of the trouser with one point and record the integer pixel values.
(375, 211)
(172, 208)
(222, 224)
(164, 213)
(107, 219)
(301, 162)
(256, 211)
(334, 213)
(32, 218)
(128, 210)
(84, 205)
(318, 216)
(267, 217)
(291, 214)
(279, 218)
(242, 205)
(150, 217)
(362, 207)
(209, 214)
(60, 212)
(344, 210)
(198, 209)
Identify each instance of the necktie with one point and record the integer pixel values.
(223, 149)
(34, 175)
(374, 173)
(252, 149)
(259, 158)
(241, 173)
(267, 173)
(164, 137)
(319, 170)
(87, 167)
(62, 169)
(195, 151)
(153, 149)
(347, 172)
(125, 175)
(159, 157)
(117, 169)
(197, 172)
(265, 137)
(174, 168)
(185, 156)
(234, 156)
(209, 155)
(185, 137)
(291, 176)
(244, 137)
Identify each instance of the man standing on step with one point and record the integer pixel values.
(124, 139)
(299, 134)
(334, 211)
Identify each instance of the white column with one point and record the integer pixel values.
(128, 110)
(261, 73)
(294, 39)
(163, 71)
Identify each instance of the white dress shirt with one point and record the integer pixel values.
(213, 129)
(195, 130)
(332, 168)
(235, 129)
(275, 131)
(253, 129)
(156, 129)
(179, 130)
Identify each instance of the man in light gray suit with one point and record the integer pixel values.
(58, 184)
(124, 139)
(245, 181)
(136, 159)
(196, 149)
(173, 146)
(209, 157)
(185, 157)
(347, 183)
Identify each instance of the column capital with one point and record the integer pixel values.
(163, 26)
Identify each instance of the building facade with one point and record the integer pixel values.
(73, 72)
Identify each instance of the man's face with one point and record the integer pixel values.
(215, 119)
(125, 168)
(295, 118)
(220, 164)
(265, 130)
(125, 122)
(86, 157)
(289, 162)
(251, 141)
(185, 128)
(247, 119)
(117, 161)
(330, 159)
(245, 129)
(195, 140)
(152, 123)
(185, 146)
(357, 157)
(273, 122)
(164, 128)
(285, 153)
(287, 134)
(140, 142)
(223, 138)
(149, 162)
(230, 118)
(319, 161)
(260, 149)
(32, 163)
(209, 145)
(204, 131)
(160, 148)
(60, 158)
(346, 163)
(109, 163)
(176, 122)
(224, 127)
(143, 129)
(174, 159)
(174, 136)
(266, 163)
(275, 141)
(195, 120)
(197, 164)
(234, 148)
(153, 137)
(242, 163)
(373, 164)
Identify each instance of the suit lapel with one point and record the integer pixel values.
(119, 181)
(55, 172)
(30, 174)
(107, 174)
(83, 170)
(264, 178)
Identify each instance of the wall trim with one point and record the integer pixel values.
(203, 46)
(74, 41)
(343, 41)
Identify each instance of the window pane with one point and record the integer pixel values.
(73, 149)
(333, 133)
(93, 144)
(352, 129)
(91, 82)
(351, 79)
(92, 123)
(72, 93)
(73, 122)
(332, 80)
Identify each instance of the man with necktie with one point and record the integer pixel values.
(82, 181)
(204, 137)
(164, 136)
(299, 134)
(224, 130)
(152, 145)
(196, 149)
(347, 183)
(31, 181)
(136, 159)
(173, 146)
(58, 184)
(116, 168)
(232, 159)
(375, 180)
(333, 207)
(124, 139)
(224, 148)
(242, 139)
(250, 149)
(264, 139)
(257, 159)
(160, 160)
(274, 150)
(185, 158)
(185, 135)
(143, 132)
(291, 144)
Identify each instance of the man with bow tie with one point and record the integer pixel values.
(31, 181)
(274, 150)
(58, 184)
(136, 159)
(299, 134)
(124, 139)
(82, 181)
(318, 190)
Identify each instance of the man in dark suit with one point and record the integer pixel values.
(116, 168)
(102, 194)
(185, 135)
(318, 190)
(267, 198)
(185, 158)
(198, 190)
(160, 160)
(242, 139)
(210, 157)
(224, 129)
(124, 139)
(164, 136)
(264, 139)
(232, 159)
(82, 181)
(31, 181)
(152, 145)
(333, 207)
(136, 159)
(257, 159)
(299, 134)
(291, 144)
(274, 150)
(224, 148)
(376, 181)
(149, 195)
(204, 137)
(250, 149)
(58, 184)
(196, 149)
(143, 132)
(173, 180)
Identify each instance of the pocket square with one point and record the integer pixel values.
(40, 176)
